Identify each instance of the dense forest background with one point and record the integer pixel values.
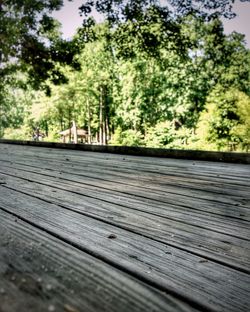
(150, 74)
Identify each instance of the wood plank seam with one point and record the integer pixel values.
(44, 266)
(135, 195)
(137, 276)
(188, 187)
(126, 193)
(245, 270)
(143, 151)
(120, 204)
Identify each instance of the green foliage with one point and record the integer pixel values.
(143, 78)
(226, 119)
(242, 129)
(148, 25)
(127, 138)
(168, 135)
(31, 41)
(14, 105)
(160, 136)
(17, 134)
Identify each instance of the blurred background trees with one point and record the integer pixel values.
(157, 74)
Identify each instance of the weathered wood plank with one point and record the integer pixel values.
(105, 159)
(125, 170)
(226, 249)
(141, 151)
(167, 193)
(207, 283)
(127, 195)
(184, 167)
(127, 166)
(212, 190)
(72, 196)
(39, 272)
(174, 195)
(91, 190)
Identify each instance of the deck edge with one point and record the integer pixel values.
(229, 157)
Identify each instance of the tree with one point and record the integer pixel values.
(30, 50)
(115, 10)
(242, 129)
(30, 40)
(86, 98)
(14, 104)
(206, 9)
(226, 119)
(150, 77)
(98, 74)
(131, 19)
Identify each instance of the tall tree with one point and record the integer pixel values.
(30, 40)
(130, 20)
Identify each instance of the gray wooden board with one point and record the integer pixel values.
(106, 158)
(126, 167)
(230, 157)
(201, 168)
(152, 185)
(195, 187)
(54, 190)
(84, 196)
(227, 249)
(59, 193)
(39, 272)
(176, 194)
(124, 175)
(139, 179)
(127, 195)
(205, 283)
(197, 169)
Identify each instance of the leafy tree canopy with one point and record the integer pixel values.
(151, 24)
(30, 40)
(129, 10)
(154, 73)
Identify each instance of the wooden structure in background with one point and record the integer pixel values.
(93, 232)
(74, 134)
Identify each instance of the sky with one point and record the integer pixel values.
(71, 20)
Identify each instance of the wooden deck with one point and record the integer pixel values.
(85, 231)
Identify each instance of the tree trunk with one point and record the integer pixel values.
(105, 115)
(46, 128)
(74, 132)
(107, 129)
(101, 117)
(89, 122)
(69, 122)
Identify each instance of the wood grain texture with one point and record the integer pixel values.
(140, 151)
(41, 273)
(231, 249)
(88, 165)
(175, 226)
(179, 207)
(170, 269)
(179, 194)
